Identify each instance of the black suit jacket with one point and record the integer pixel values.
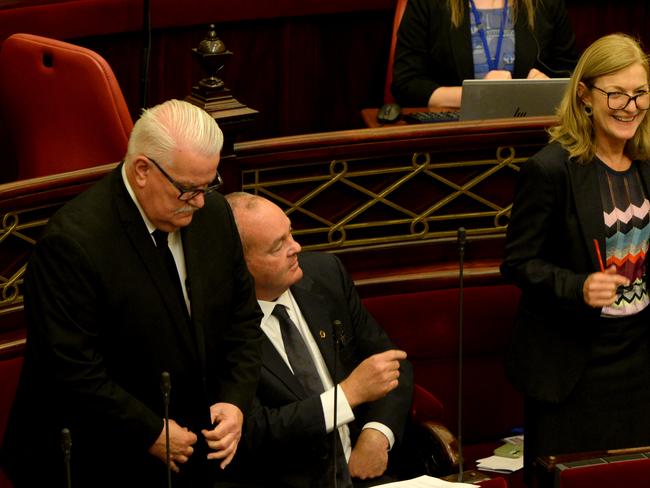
(556, 215)
(104, 322)
(430, 52)
(286, 440)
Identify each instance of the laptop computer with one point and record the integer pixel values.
(493, 99)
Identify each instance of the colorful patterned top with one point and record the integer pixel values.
(626, 211)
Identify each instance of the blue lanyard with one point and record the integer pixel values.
(492, 63)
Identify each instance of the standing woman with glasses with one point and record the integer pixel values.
(576, 246)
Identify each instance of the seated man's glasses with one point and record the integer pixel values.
(191, 192)
(620, 100)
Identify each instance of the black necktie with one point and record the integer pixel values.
(301, 361)
(305, 370)
(168, 258)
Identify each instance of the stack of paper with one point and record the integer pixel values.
(427, 482)
(499, 464)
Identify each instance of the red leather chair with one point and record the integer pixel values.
(61, 105)
(397, 20)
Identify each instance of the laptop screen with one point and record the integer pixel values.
(492, 99)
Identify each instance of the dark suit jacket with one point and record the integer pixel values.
(431, 53)
(286, 439)
(104, 322)
(556, 215)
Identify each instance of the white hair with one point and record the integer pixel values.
(173, 124)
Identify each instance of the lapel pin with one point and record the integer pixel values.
(322, 334)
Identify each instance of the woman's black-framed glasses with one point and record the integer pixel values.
(185, 192)
(619, 100)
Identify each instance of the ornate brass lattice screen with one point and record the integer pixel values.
(19, 232)
(382, 200)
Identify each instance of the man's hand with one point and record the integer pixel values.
(181, 441)
(374, 378)
(599, 289)
(369, 457)
(224, 438)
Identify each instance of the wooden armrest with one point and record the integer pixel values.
(438, 448)
(429, 447)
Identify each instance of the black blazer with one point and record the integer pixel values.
(104, 323)
(556, 215)
(286, 440)
(430, 52)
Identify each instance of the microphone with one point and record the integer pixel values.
(461, 296)
(338, 339)
(66, 445)
(146, 53)
(166, 386)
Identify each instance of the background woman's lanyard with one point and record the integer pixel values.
(492, 63)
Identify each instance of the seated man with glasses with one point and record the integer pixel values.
(141, 275)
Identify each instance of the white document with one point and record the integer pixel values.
(500, 464)
(427, 482)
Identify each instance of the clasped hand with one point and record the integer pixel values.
(223, 438)
(181, 441)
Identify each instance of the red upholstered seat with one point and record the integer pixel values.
(62, 106)
(400, 6)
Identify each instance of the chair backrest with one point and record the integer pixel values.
(62, 106)
(397, 19)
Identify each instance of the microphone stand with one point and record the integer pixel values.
(338, 337)
(166, 387)
(146, 53)
(66, 445)
(461, 296)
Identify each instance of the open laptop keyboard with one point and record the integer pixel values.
(427, 117)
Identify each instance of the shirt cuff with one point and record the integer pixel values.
(384, 430)
(344, 414)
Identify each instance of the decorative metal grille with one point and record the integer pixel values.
(390, 199)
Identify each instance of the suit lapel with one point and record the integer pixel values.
(275, 364)
(144, 246)
(589, 207)
(193, 264)
(316, 311)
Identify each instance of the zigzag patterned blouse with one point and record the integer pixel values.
(626, 211)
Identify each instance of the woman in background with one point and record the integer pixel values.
(442, 42)
(576, 246)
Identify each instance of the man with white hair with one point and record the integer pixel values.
(141, 275)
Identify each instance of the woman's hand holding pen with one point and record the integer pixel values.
(599, 289)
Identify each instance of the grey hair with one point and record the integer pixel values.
(165, 127)
(239, 202)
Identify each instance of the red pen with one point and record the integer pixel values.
(600, 258)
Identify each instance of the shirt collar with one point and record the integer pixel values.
(147, 222)
(267, 307)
